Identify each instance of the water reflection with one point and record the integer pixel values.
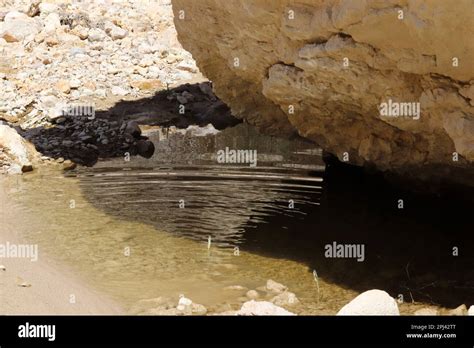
(184, 191)
(280, 215)
(283, 208)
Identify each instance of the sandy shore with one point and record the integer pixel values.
(42, 286)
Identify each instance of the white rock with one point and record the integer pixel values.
(119, 91)
(184, 304)
(14, 169)
(96, 35)
(49, 101)
(47, 8)
(15, 15)
(187, 66)
(145, 48)
(20, 29)
(273, 286)
(146, 62)
(286, 298)
(471, 310)
(372, 302)
(252, 294)
(118, 33)
(261, 308)
(101, 93)
(75, 83)
(51, 23)
(17, 148)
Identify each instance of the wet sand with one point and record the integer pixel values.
(42, 286)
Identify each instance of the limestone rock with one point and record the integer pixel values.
(459, 311)
(262, 308)
(372, 302)
(286, 298)
(273, 286)
(427, 311)
(252, 295)
(324, 70)
(51, 23)
(96, 35)
(471, 310)
(18, 27)
(118, 33)
(19, 153)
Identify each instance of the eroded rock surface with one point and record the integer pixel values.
(323, 69)
(16, 154)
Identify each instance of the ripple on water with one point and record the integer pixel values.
(280, 215)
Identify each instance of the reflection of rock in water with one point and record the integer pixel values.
(183, 189)
(407, 251)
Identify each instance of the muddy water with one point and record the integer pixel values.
(182, 223)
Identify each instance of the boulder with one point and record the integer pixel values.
(372, 302)
(325, 69)
(19, 152)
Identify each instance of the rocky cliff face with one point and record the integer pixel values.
(349, 75)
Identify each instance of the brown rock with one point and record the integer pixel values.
(69, 165)
(63, 86)
(147, 85)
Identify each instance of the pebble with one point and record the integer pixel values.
(118, 33)
(252, 295)
(96, 35)
(273, 286)
(119, 91)
(22, 283)
(286, 298)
